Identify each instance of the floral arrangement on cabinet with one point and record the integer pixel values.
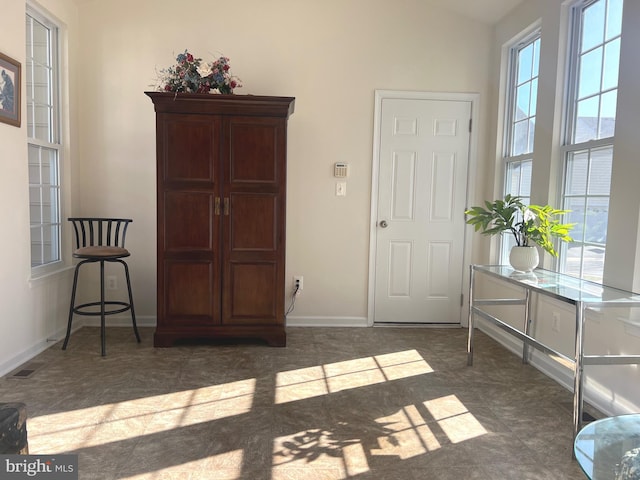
(191, 75)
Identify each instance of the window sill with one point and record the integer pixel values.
(50, 275)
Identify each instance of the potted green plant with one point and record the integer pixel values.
(528, 224)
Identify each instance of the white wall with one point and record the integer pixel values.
(330, 55)
(614, 388)
(33, 310)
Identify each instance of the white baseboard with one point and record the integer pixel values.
(327, 321)
(594, 393)
(13, 363)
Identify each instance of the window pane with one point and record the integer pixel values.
(586, 127)
(608, 114)
(35, 201)
(30, 122)
(525, 59)
(525, 180)
(34, 173)
(585, 261)
(40, 47)
(611, 64)
(532, 130)
(46, 174)
(40, 88)
(36, 250)
(577, 168)
(518, 179)
(34, 164)
(41, 53)
(593, 263)
(590, 72)
(534, 97)
(593, 25)
(40, 94)
(55, 205)
(520, 138)
(518, 182)
(42, 78)
(596, 220)
(51, 234)
(47, 205)
(523, 99)
(513, 175)
(614, 18)
(41, 75)
(576, 214)
(600, 174)
(42, 119)
(536, 58)
(572, 256)
(49, 167)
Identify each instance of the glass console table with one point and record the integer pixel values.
(574, 291)
(610, 448)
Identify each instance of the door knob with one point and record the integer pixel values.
(384, 224)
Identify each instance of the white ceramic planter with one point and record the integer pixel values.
(524, 259)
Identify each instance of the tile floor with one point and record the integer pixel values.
(357, 403)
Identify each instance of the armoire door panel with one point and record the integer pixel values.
(191, 149)
(190, 292)
(251, 293)
(253, 223)
(254, 150)
(189, 221)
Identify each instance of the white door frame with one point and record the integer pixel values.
(380, 95)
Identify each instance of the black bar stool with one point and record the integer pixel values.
(100, 240)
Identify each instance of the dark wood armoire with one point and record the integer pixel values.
(221, 200)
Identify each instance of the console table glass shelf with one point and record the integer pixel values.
(582, 294)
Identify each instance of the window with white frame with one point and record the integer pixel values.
(44, 139)
(588, 147)
(520, 120)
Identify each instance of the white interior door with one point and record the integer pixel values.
(422, 184)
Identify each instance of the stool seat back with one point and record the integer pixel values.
(99, 231)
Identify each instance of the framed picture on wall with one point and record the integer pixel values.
(9, 90)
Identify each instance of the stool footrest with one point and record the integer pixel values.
(78, 309)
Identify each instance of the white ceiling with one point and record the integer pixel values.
(487, 11)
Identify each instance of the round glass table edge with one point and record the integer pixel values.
(620, 427)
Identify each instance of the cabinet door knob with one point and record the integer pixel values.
(216, 206)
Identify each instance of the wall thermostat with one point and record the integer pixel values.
(341, 170)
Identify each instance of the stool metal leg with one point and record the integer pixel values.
(133, 313)
(102, 310)
(72, 306)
